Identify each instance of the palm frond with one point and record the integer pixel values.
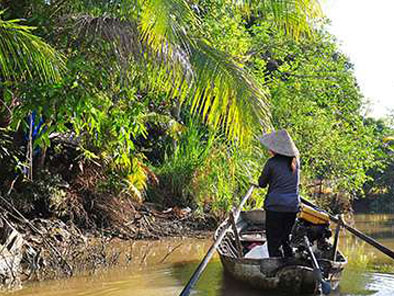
(122, 35)
(163, 37)
(119, 8)
(164, 23)
(216, 89)
(225, 94)
(293, 16)
(24, 55)
(127, 44)
(205, 78)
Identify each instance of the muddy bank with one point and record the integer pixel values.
(150, 222)
(144, 266)
(60, 219)
(38, 249)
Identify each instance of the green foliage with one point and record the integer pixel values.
(177, 171)
(167, 59)
(24, 55)
(380, 188)
(167, 38)
(10, 157)
(226, 176)
(315, 96)
(182, 90)
(289, 16)
(206, 171)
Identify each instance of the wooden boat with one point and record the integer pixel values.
(295, 275)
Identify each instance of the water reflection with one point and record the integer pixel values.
(383, 284)
(163, 267)
(215, 283)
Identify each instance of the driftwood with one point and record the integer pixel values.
(15, 253)
(23, 244)
(23, 219)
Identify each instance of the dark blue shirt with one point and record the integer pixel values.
(283, 185)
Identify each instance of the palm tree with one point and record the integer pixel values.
(165, 36)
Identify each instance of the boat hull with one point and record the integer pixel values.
(295, 275)
(276, 274)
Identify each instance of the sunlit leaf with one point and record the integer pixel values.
(24, 55)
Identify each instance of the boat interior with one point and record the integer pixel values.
(249, 230)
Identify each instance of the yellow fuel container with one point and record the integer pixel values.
(313, 216)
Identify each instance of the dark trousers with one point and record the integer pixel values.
(278, 229)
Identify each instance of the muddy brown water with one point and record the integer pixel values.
(163, 267)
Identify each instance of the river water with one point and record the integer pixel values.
(163, 267)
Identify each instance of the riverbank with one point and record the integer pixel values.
(41, 249)
(162, 267)
(143, 267)
(61, 222)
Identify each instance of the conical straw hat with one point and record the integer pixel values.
(280, 142)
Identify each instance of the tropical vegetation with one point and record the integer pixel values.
(104, 102)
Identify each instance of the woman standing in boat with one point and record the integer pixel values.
(281, 174)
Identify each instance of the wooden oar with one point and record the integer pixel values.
(197, 273)
(355, 231)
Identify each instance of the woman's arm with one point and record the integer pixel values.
(265, 175)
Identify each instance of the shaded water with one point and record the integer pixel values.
(163, 267)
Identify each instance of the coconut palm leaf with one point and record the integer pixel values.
(293, 16)
(225, 94)
(220, 91)
(122, 35)
(202, 77)
(24, 55)
(167, 23)
(164, 35)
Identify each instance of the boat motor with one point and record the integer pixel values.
(312, 226)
